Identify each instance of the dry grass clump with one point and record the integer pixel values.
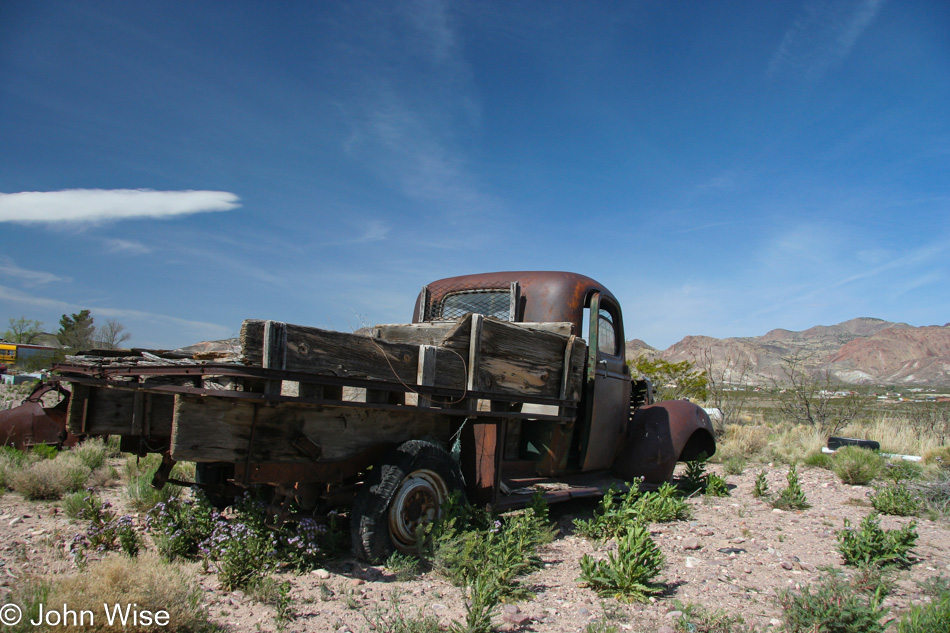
(791, 444)
(145, 582)
(50, 478)
(746, 441)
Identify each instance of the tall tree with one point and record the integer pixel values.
(76, 331)
(23, 330)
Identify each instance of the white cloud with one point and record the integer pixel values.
(126, 246)
(27, 277)
(96, 205)
(824, 36)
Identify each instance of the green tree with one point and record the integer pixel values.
(671, 381)
(76, 331)
(23, 330)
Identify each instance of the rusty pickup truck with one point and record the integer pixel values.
(502, 385)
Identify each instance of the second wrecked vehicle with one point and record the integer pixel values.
(503, 384)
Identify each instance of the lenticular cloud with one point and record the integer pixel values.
(97, 205)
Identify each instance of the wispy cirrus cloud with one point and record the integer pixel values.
(128, 247)
(27, 277)
(98, 205)
(823, 37)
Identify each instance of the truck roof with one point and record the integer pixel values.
(544, 296)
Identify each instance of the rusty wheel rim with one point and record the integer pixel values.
(417, 502)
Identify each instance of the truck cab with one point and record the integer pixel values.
(616, 427)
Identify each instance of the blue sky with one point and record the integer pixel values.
(725, 168)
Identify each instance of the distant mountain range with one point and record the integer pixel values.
(861, 351)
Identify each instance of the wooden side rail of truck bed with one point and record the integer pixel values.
(301, 399)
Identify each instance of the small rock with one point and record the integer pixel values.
(322, 574)
(666, 629)
(692, 544)
(16, 520)
(747, 570)
(356, 582)
(775, 622)
(583, 612)
(786, 565)
(693, 562)
(706, 532)
(808, 567)
(674, 615)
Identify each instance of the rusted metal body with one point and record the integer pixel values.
(545, 296)
(31, 423)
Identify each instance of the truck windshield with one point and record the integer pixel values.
(495, 303)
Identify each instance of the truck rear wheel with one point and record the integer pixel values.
(405, 490)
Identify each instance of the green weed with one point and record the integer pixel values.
(628, 574)
(871, 546)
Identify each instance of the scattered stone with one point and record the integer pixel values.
(666, 629)
(692, 561)
(583, 612)
(356, 582)
(786, 565)
(808, 567)
(692, 544)
(16, 520)
(322, 574)
(674, 615)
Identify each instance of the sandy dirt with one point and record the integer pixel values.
(735, 553)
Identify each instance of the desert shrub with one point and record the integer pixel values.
(93, 452)
(927, 618)
(734, 465)
(627, 574)
(179, 526)
(50, 478)
(44, 451)
(745, 440)
(902, 469)
(695, 478)
(935, 493)
(145, 582)
(403, 566)
(872, 546)
(761, 486)
(857, 466)
(105, 531)
(792, 497)
(486, 555)
(698, 619)
(896, 499)
(663, 506)
(613, 514)
(835, 606)
(716, 486)
(76, 504)
(939, 456)
(29, 594)
(143, 497)
(819, 460)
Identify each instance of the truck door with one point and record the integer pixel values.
(607, 394)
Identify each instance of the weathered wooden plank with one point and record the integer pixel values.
(211, 429)
(512, 359)
(104, 411)
(516, 359)
(412, 333)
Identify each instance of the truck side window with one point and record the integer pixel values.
(606, 332)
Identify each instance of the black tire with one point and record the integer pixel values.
(404, 490)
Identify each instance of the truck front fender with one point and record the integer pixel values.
(661, 434)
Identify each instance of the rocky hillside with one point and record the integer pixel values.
(859, 351)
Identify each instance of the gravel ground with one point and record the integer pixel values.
(735, 553)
